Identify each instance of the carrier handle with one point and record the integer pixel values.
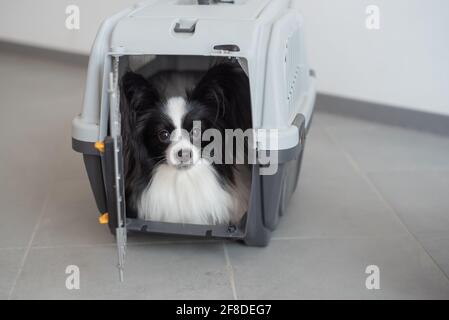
(189, 29)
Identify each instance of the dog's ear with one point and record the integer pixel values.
(137, 91)
(225, 88)
(211, 89)
(137, 98)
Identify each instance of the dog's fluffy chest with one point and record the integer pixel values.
(188, 196)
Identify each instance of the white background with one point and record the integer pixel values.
(405, 63)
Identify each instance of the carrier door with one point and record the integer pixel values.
(114, 160)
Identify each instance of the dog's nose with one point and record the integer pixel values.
(184, 155)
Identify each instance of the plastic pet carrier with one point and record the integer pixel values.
(264, 36)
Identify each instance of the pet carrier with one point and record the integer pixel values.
(265, 37)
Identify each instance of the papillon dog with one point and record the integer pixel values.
(167, 176)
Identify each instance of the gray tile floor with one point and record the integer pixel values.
(369, 194)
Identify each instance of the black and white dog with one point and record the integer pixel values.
(167, 177)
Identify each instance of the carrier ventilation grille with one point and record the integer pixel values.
(293, 67)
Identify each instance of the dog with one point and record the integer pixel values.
(166, 176)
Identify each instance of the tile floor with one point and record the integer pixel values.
(369, 194)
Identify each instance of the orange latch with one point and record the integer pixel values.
(104, 218)
(99, 145)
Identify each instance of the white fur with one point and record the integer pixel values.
(176, 109)
(184, 143)
(194, 196)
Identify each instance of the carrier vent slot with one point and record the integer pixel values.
(293, 67)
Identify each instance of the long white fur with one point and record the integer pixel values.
(192, 196)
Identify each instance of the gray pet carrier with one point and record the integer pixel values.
(264, 36)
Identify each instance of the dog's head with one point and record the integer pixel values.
(164, 130)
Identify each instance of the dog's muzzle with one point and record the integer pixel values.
(184, 158)
(183, 155)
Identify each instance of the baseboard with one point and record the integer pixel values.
(45, 53)
(402, 117)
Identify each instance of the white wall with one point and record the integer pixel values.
(42, 22)
(405, 63)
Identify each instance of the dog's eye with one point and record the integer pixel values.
(195, 132)
(164, 135)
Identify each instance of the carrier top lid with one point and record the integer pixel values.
(216, 9)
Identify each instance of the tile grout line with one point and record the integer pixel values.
(379, 194)
(132, 244)
(230, 270)
(408, 170)
(12, 248)
(28, 248)
(332, 237)
(180, 242)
